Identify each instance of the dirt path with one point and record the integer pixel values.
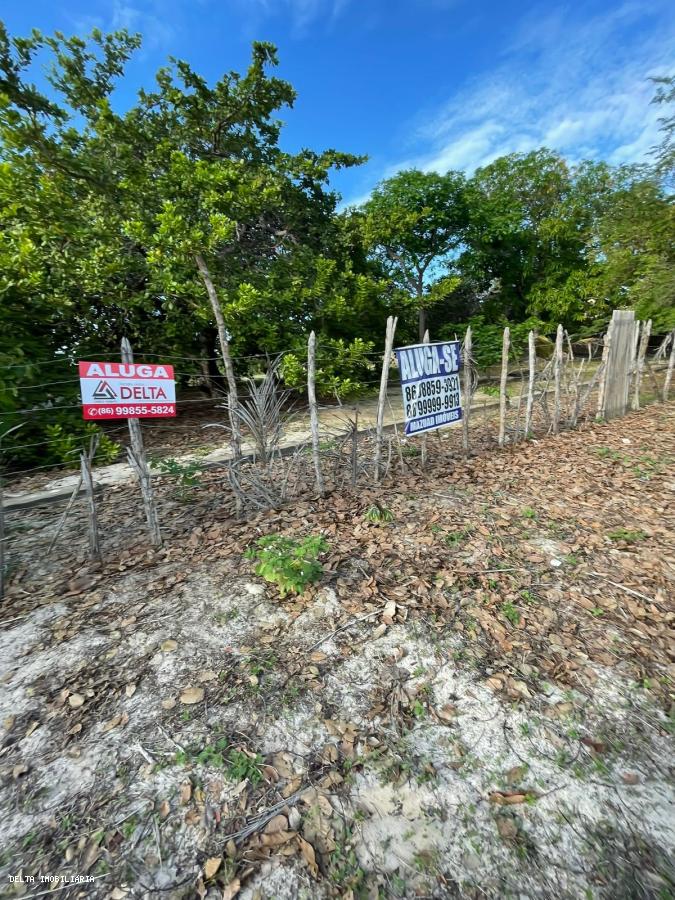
(476, 700)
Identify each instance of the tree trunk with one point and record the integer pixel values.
(422, 320)
(213, 377)
(233, 401)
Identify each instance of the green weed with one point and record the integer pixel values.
(291, 565)
(510, 612)
(379, 515)
(626, 535)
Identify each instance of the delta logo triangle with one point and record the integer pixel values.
(104, 392)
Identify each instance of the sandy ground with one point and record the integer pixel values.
(475, 700)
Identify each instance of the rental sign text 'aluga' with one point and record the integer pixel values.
(127, 390)
(430, 385)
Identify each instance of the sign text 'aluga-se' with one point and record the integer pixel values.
(127, 390)
(430, 385)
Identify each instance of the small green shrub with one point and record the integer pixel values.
(66, 442)
(291, 565)
(187, 475)
(379, 515)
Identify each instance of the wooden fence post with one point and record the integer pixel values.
(557, 373)
(604, 365)
(232, 398)
(467, 391)
(2, 539)
(506, 343)
(384, 379)
(532, 374)
(425, 340)
(640, 364)
(139, 463)
(671, 366)
(355, 446)
(88, 482)
(3, 556)
(313, 411)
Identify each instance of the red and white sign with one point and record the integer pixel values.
(127, 390)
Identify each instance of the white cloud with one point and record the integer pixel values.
(577, 85)
(301, 13)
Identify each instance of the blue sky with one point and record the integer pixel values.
(435, 84)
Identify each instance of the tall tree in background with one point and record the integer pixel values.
(532, 217)
(414, 224)
(664, 153)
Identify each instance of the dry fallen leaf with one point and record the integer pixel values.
(130, 690)
(169, 703)
(447, 713)
(207, 675)
(168, 646)
(185, 792)
(211, 866)
(232, 889)
(278, 823)
(192, 695)
(309, 856)
(164, 809)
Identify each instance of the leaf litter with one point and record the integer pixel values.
(476, 700)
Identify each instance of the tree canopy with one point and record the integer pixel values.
(182, 223)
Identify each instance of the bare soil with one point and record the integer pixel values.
(476, 700)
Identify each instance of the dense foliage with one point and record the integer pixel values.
(118, 223)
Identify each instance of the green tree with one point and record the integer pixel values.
(532, 218)
(636, 252)
(414, 225)
(664, 153)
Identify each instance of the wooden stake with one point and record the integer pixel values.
(2, 512)
(466, 413)
(532, 374)
(384, 379)
(640, 365)
(313, 411)
(506, 343)
(604, 365)
(557, 373)
(139, 463)
(355, 446)
(671, 366)
(2, 539)
(425, 340)
(232, 399)
(88, 482)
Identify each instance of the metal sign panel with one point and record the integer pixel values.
(127, 390)
(430, 385)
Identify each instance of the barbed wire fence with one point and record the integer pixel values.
(284, 455)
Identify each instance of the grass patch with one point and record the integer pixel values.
(627, 536)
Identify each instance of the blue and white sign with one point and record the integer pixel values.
(430, 385)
